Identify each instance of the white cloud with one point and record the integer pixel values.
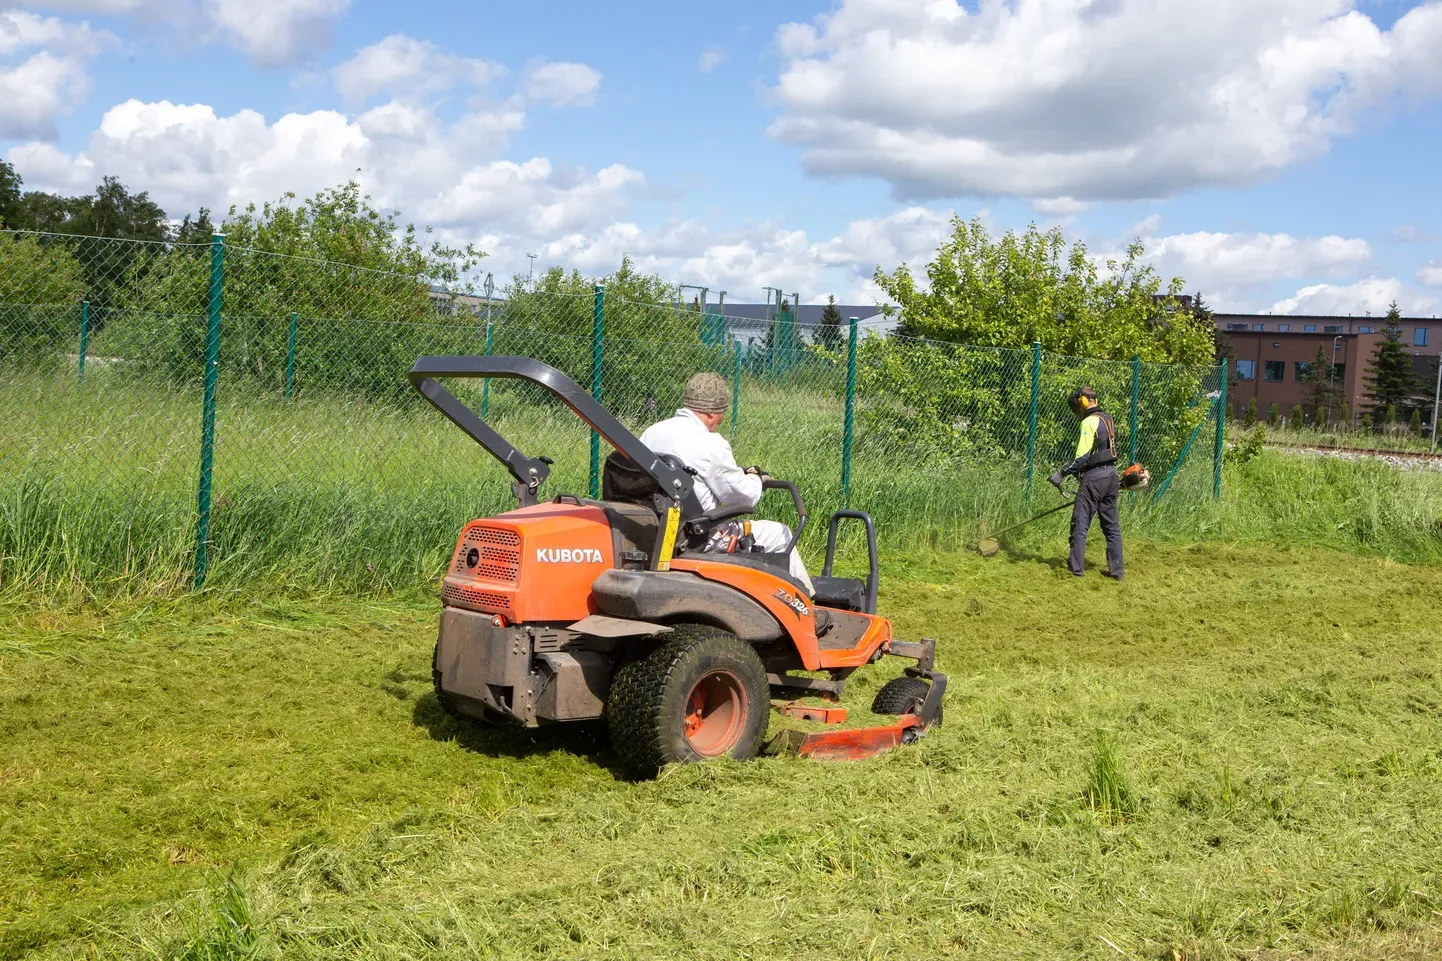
(277, 33)
(908, 236)
(1242, 259)
(187, 156)
(1430, 275)
(563, 84)
(744, 260)
(50, 82)
(1060, 206)
(272, 33)
(712, 58)
(402, 65)
(1371, 294)
(1147, 226)
(1088, 99)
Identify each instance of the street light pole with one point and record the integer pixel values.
(531, 272)
(1437, 396)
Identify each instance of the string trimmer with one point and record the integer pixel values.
(1134, 477)
(989, 546)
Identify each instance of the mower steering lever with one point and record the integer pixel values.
(771, 483)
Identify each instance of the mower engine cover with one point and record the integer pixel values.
(532, 564)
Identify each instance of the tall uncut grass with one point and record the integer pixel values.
(98, 494)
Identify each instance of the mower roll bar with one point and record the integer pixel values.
(872, 573)
(529, 472)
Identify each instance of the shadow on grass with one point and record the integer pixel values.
(587, 739)
(1017, 555)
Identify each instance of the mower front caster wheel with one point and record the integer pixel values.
(903, 695)
(701, 694)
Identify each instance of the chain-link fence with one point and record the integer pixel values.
(174, 412)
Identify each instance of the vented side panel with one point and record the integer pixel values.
(477, 600)
(497, 555)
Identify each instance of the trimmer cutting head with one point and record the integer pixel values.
(988, 547)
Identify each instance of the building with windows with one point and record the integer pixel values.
(1274, 355)
(1421, 335)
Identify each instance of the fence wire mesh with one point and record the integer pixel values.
(329, 468)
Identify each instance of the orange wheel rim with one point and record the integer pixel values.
(715, 713)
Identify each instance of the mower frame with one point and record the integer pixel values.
(784, 625)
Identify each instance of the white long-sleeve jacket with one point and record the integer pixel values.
(719, 480)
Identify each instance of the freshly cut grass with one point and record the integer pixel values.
(269, 776)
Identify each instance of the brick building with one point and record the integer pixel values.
(1275, 352)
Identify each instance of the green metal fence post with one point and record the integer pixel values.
(598, 329)
(1136, 403)
(850, 416)
(290, 357)
(1031, 415)
(735, 385)
(207, 420)
(84, 338)
(1221, 433)
(486, 383)
(1166, 483)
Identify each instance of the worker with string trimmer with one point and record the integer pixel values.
(1098, 483)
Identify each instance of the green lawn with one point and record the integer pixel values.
(1235, 754)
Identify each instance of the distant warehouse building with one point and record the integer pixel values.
(1274, 355)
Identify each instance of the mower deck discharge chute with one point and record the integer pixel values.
(576, 609)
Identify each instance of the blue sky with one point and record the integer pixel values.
(1278, 154)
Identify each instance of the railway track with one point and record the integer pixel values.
(1409, 455)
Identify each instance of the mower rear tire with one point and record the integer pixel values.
(701, 694)
(901, 695)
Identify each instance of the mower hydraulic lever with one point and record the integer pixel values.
(771, 483)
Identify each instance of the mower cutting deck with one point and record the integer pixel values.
(577, 609)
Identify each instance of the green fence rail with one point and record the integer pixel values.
(123, 364)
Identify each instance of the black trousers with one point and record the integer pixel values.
(1097, 497)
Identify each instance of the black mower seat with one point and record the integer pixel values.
(844, 593)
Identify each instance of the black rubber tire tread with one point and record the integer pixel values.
(645, 709)
(900, 695)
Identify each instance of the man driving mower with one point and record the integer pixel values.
(1099, 485)
(691, 436)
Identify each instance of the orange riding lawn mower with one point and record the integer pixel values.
(574, 609)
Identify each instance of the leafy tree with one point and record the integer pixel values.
(1344, 418)
(1274, 416)
(1008, 292)
(1391, 417)
(1390, 381)
(1367, 422)
(1222, 347)
(1319, 418)
(638, 306)
(41, 287)
(197, 231)
(1020, 288)
(112, 211)
(828, 334)
(359, 281)
(1415, 424)
(1296, 418)
(10, 195)
(652, 346)
(1250, 417)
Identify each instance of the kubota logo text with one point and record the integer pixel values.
(568, 555)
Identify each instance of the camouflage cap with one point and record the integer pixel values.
(706, 393)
